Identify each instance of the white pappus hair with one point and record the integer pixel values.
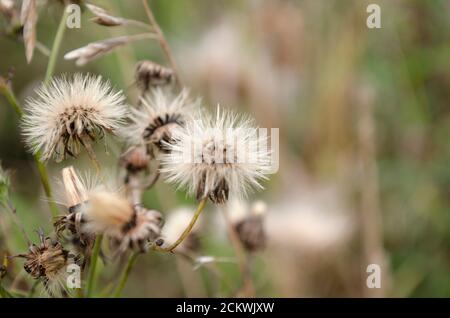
(160, 113)
(70, 112)
(217, 156)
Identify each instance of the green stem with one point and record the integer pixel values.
(94, 258)
(9, 95)
(125, 274)
(56, 46)
(33, 288)
(188, 229)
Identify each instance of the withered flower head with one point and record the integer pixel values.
(126, 225)
(136, 158)
(47, 261)
(149, 74)
(160, 114)
(69, 113)
(250, 229)
(215, 157)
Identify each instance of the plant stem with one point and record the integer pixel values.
(33, 288)
(162, 41)
(94, 258)
(56, 46)
(248, 288)
(125, 274)
(188, 229)
(42, 170)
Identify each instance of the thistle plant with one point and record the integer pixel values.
(167, 132)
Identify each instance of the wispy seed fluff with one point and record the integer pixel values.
(126, 225)
(217, 156)
(160, 113)
(70, 112)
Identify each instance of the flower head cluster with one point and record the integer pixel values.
(98, 209)
(69, 113)
(217, 156)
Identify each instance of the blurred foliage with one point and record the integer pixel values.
(330, 56)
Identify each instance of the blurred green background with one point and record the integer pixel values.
(364, 123)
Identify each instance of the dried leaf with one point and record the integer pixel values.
(28, 18)
(102, 17)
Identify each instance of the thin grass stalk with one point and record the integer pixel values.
(91, 275)
(42, 170)
(126, 273)
(56, 46)
(162, 41)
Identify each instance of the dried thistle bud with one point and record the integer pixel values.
(149, 74)
(249, 224)
(126, 225)
(251, 233)
(135, 159)
(102, 17)
(47, 261)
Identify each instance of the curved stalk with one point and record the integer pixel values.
(188, 229)
(42, 170)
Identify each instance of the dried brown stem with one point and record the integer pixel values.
(162, 41)
(248, 289)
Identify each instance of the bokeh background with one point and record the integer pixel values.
(364, 123)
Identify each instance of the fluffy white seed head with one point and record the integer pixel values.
(159, 114)
(69, 112)
(111, 214)
(216, 157)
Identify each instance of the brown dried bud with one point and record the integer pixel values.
(251, 233)
(149, 74)
(102, 17)
(46, 261)
(135, 159)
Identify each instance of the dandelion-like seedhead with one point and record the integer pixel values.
(157, 118)
(69, 113)
(216, 157)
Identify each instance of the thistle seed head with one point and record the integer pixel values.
(158, 117)
(216, 157)
(70, 112)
